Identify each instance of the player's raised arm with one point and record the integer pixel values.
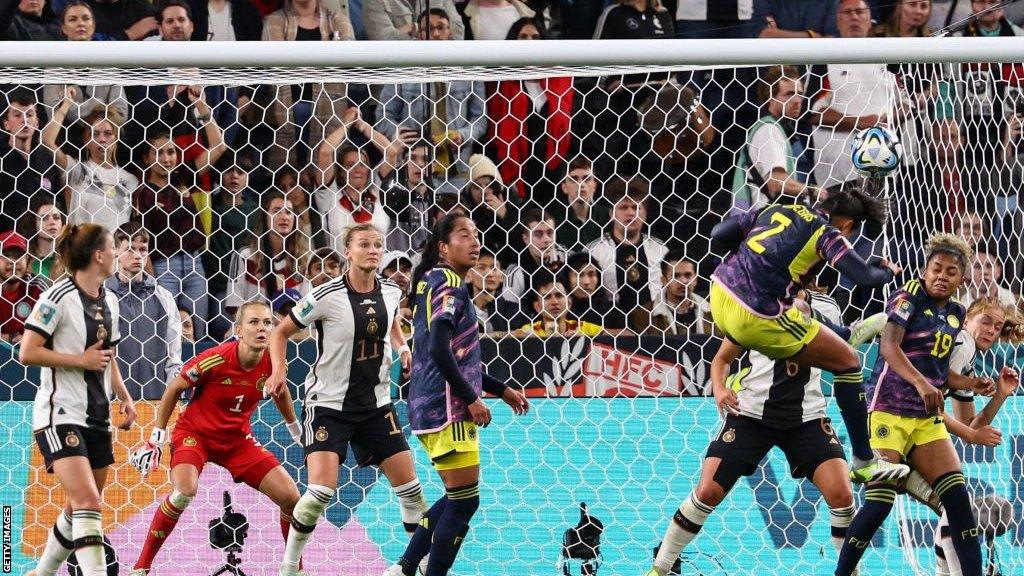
(278, 350)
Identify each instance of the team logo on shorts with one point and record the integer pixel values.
(472, 433)
(729, 435)
(953, 321)
(321, 434)
(826, 427)
(189, 441)
(71, 440)
(882, 431)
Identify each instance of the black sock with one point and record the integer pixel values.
(951, 488)
(848, 389)
(419, 544)
(452, 528)
(878, 503)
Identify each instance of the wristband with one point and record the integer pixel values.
(158, 437)
(403, 349)
(294, 429)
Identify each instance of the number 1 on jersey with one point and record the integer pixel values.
(781, 222)
(238, 406)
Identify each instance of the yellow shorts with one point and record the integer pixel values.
(456, 446)
(776, 338)
(902, 433)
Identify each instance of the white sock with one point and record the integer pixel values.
(306, 514)
(920, 490)
(952, 562)
(839, 519)
(179, 500)
(683, 528)
(55, 554)
(87, 532)
(412, 502)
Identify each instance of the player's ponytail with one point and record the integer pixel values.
(441, 232)
(76, 244)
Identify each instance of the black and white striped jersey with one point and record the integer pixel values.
(353, 364)
(965, 352)
(781, 393)
(71, 322)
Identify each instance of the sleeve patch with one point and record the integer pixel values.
(447, 304)
(193, 373)
(44, 313)
(903, 309)
(304, 310)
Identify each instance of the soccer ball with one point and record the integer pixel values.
(876, 152)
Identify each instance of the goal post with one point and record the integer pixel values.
(620, 420)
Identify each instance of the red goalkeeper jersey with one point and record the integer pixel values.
(225, 394)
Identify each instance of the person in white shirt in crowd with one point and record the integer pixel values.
(679, 310)
(853, 97)
(492, 19)
(396, 19)
(986, 281)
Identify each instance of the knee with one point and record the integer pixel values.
(710, 492)
(187, 487)
(288, 501)
(838, 497)
(86, 500)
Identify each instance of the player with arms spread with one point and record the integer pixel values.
(767, 403)
(71, 335)
(227, 382)
(908, 379)
(348, 391)
(778, 250)
(445, 407)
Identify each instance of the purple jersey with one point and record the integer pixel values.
(784, 247)
(928, 343)
(442, 295)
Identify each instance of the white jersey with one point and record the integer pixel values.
(781, 393)
(352, 372)
(71, 322)
(961, 361)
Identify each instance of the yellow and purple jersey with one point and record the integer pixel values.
(928, 343)
(784, 247)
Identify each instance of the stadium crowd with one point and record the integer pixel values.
(593, 196)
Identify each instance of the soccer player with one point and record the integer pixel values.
(768, 403)
(348, 390)
(906, 420)
(777, 250)
(215, 426)
(71, 334)
(445, 407)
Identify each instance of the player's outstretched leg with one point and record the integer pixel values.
(185, 478)
(832, 478)
(829, 352)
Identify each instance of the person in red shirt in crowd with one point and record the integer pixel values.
(227, 382)
(18, 289)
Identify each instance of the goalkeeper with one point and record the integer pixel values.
(216, 427)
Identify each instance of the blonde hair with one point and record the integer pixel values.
(944, 242)
(1013, 327)
(100, 113)
(240, 313)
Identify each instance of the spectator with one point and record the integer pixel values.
(495, 216)
(188, 333)
(323, 266)
(986, 281)
(851, 97)
(713, 19)
(99, 190)
(41, 225)
(295, 189)
(350, 194)
(492, 19)
(680, 310)
(577, 208)
(590, 301)
(302, 113)
(551, 305)
(274, 261)
(26, 168)
(169, 203)
(635, 20)
(394, 19)
(124, 19)
(397, 267)
(532, 125)
(766, 168)
(19, 289)
(79, 25)
(226, 20)
(908, 20)
(795, 18)
(630, 259)
(234, 217)
(149, 353)
(485, 280)
(970, 226)
(408, 196)
(449, 114)
(538, 234)
(33, 20)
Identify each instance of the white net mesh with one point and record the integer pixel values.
(245, 179)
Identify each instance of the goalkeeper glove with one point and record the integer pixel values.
(147, 458)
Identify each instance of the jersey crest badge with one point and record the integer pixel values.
(189, 441)
(261, 383)
(371, 327)
(953, 321)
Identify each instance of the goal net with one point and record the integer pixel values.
(608, 171)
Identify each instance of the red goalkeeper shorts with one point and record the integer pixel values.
(244, 458)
